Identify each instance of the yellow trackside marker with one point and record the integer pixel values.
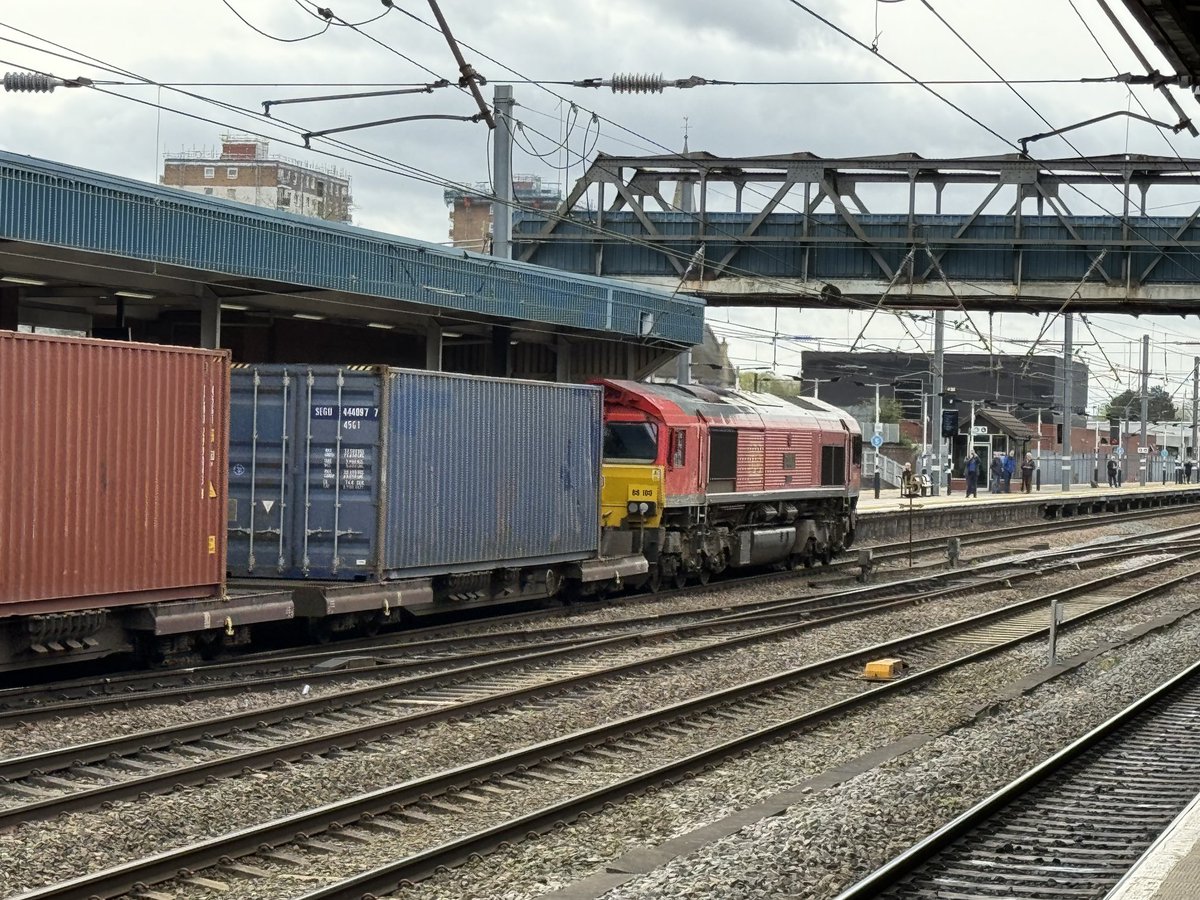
(212, 545)
(212, 492)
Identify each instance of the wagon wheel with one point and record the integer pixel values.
(704, 575)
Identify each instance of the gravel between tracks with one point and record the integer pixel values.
(129, 830)
(818, 848)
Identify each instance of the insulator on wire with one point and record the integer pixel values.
(37, 83)
(637, 84)
(30, 82)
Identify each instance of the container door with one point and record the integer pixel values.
(262, 427)
(339, 437)
(304, 453)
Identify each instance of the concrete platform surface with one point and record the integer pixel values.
(890, 499)
(1170, 869)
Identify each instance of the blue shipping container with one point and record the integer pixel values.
(363, 473)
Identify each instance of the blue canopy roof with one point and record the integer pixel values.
(53, 204)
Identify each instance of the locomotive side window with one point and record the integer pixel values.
(833, 466)
(678, 452)
(856, 450)
(630, 442)
(722, 459)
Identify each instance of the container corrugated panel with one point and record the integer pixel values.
(352, 473)
(112, 488)
(484, 470)
(304, 485)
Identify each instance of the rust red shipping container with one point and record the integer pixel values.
(113, 466)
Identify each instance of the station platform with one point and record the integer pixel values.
(887, 517)
(1170, 869)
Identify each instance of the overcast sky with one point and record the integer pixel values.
(753, 40)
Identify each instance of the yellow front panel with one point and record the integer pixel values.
(625, 484)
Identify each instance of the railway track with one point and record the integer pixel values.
(431, 651)
(443, 817)
(1072, 826)
(446, 664)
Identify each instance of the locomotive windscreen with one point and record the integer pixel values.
(630, 442)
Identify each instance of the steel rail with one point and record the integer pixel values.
(927, 849)
(164, 866)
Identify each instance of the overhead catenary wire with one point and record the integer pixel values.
(274, 37)
(437, 181)
(382, 163)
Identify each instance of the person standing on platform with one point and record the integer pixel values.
(1187, 469)
(1027, 467)
(997, 474)
(1010, 469)
(971, 465)
(1112, 472)
(909, 486)
(925, 482)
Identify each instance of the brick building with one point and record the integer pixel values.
(243, 170)
(471, 209)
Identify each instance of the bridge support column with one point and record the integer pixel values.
(562, 360)
(500, 357)
(210, 322)
(433, 347)
(10, 305)
(683, 374)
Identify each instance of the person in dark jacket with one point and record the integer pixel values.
(1187, 469)
(997, 473)
(1010, 469)
(1112, 472)
(1027, 468)
(971, 466)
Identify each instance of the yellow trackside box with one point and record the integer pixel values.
(632, 496)
(884, 669)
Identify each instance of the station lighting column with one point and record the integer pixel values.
(939, 346)
(1143, 447)
(1068, 385)
(1195, 403)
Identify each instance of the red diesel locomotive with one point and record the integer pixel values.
(701, 479)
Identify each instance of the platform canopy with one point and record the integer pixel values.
(73, 239)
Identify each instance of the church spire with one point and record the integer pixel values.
(684, 199)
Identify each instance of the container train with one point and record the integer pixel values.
(162, 502)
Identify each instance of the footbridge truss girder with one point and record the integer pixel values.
(999, 233)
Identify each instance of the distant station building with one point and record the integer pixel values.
(243, 170)
(1021, 384)
(471, 209)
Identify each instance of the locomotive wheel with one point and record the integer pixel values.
(679, 579)
(703, 576)
(654, 581)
